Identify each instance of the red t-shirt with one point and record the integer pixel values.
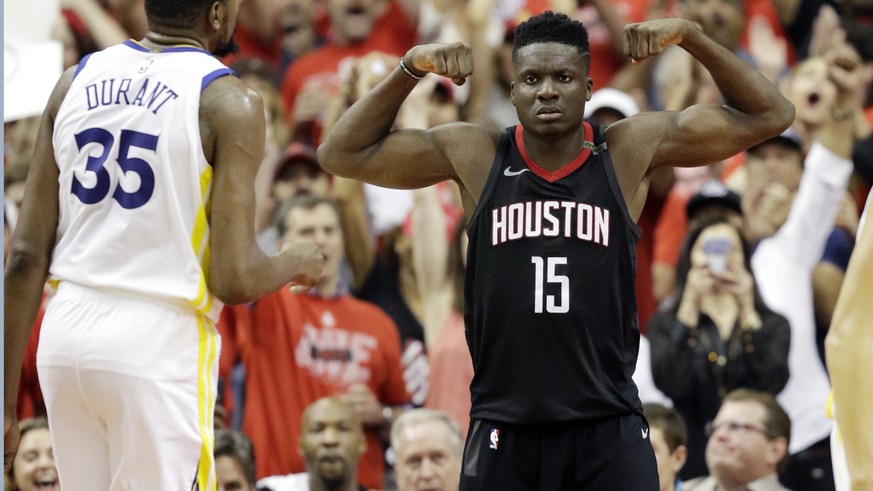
(451, 372)
(301, 348)
(393, 33)
(605, 60)
(30, 400)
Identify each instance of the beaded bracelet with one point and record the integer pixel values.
(409, 72)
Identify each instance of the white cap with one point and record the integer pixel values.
(612, 99)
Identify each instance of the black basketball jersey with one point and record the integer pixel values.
(550, 306)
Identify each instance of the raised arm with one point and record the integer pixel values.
(232, 128)
(754, 109)
(362, 145)
(27, 265)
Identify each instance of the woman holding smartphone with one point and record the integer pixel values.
(717, 336)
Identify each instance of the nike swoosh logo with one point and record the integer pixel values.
(512, 173)
(645, 432)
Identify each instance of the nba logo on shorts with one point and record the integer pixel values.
(495, 435)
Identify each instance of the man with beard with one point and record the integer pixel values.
(139, 208)
(331, 442)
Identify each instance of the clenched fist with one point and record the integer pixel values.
(645, 39)
(308, 261)
(450, 60)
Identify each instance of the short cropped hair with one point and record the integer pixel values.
(550, 27)
(423, 415)
(177, 13)
(669, 421)
(777, 423)
(238, 446)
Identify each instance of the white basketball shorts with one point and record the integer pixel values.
(129, 385)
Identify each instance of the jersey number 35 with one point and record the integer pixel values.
(97, 165)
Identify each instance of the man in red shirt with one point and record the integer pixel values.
(302, 347)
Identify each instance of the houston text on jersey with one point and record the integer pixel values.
(550, 219)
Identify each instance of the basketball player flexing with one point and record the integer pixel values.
(552, 203)
(140, 207)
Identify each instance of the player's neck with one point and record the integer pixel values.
(157, 40)
(554, 152)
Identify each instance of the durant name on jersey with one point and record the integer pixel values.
(114, 92)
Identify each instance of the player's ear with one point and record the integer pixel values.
(217, 14)
(512, 92)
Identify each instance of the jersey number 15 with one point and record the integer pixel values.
(545, 272)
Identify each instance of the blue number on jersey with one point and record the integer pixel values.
(136, 165)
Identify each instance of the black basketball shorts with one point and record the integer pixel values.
(612, 454)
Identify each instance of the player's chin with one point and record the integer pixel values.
(549, 128)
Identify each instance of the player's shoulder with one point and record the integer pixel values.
(467, 141)
(60, 91)
(623, 136)
(230, 97)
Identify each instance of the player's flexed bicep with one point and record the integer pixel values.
(753, 108)
(363, 146)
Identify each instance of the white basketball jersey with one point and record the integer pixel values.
(134, 182)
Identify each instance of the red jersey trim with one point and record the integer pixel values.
(564, 171)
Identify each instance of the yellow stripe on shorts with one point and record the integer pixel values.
(206, 353)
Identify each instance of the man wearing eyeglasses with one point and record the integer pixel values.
(748, 442)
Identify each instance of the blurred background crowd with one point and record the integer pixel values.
(738, 268)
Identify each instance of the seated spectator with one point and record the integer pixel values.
(33, 467)
(719, 335)
(748, 442)
(428, 449)
(331, 442)
(668, 434)
(234, 461)
(300, 348)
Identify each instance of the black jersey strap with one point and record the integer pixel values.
(600, 141)
(493, 174)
